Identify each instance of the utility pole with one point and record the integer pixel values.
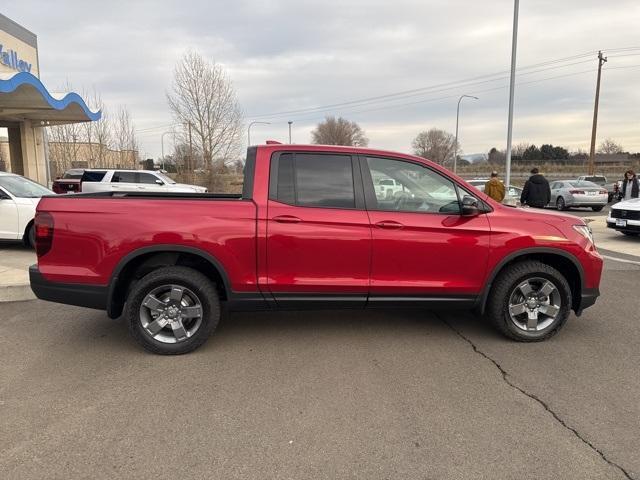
(592, 152)
(512, 86)
(290, 122)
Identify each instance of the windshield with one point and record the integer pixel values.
(598, 180)
(22, 187)
(165, 178)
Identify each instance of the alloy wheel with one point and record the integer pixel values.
(171, 313)
(534, 304)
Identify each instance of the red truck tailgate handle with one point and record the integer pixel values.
(389, 225)
(286, 219)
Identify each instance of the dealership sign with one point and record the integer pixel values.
(10, 59)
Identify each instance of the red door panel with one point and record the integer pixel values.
(430, 254)
(321, 250)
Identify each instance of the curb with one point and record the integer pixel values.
(16, 293)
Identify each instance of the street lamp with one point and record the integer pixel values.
(249, 130)
(290, 122)
(162, 146)
(512, 85)
(455, 146)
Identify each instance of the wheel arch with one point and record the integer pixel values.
(567, 264)
(144, 260)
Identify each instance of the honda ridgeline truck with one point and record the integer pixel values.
(310, 230)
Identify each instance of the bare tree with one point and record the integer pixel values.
(339, 131)
(609, 146)
(203, 97)
(436, 145)
(125, 139)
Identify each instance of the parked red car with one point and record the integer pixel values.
(310, 230)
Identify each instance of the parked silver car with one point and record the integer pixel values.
(578, 193)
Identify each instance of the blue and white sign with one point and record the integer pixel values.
(10, 59)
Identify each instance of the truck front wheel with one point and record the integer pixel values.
(530, 301)
(172, 310)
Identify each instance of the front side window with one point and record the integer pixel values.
(147, 178)
(124, 177)
(418, 188)
(314, 180)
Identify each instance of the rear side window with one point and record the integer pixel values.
(124, 177)
(313, 180)
(93, 176)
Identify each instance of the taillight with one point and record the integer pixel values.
(603, 192)
(576, 192)
(44, 232)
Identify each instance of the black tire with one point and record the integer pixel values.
(498, 302)
(187, 278)
(560, 204)
(30, 237)
(597, 209)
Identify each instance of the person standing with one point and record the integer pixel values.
(536, 192)
(630, 186)
(494, 187)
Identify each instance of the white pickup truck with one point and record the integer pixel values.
(105, 180)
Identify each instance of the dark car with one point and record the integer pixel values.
(70, 182)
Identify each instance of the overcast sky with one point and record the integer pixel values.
(287, 55)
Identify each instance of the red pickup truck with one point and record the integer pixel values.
(311, 230)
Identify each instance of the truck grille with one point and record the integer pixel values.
(628, 214)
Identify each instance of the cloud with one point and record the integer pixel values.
(289, 55)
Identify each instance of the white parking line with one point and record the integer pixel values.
(620, 260)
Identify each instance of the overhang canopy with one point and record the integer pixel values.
(24, 97)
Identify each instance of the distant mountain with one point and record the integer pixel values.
(475, 157)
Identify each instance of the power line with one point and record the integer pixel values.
(419, 91)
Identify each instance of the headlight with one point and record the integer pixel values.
(585, 231)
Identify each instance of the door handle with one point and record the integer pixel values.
(286, 219)
(389, 225)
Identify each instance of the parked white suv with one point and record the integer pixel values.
(105, 180)
(624, 216)
(19, 198)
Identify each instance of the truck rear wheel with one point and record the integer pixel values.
(529, 302)
(172, 310)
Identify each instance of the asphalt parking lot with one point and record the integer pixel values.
(364, 394)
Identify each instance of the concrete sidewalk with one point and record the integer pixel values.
(14, 272)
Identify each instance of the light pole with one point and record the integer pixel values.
(512, 82)
(290, 122)
(455, 146)
(162, 146)
(249, 130)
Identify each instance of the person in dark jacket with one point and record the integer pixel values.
(630, 187)
(536, 192)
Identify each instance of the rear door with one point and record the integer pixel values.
(424, 250)
(318, 233)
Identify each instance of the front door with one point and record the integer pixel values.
(424, 250)
(318, 232)
(8, 217)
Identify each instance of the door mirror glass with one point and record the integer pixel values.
(470, 206)
(159, 182)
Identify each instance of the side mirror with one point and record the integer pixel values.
(159, 182)
(470, 206)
